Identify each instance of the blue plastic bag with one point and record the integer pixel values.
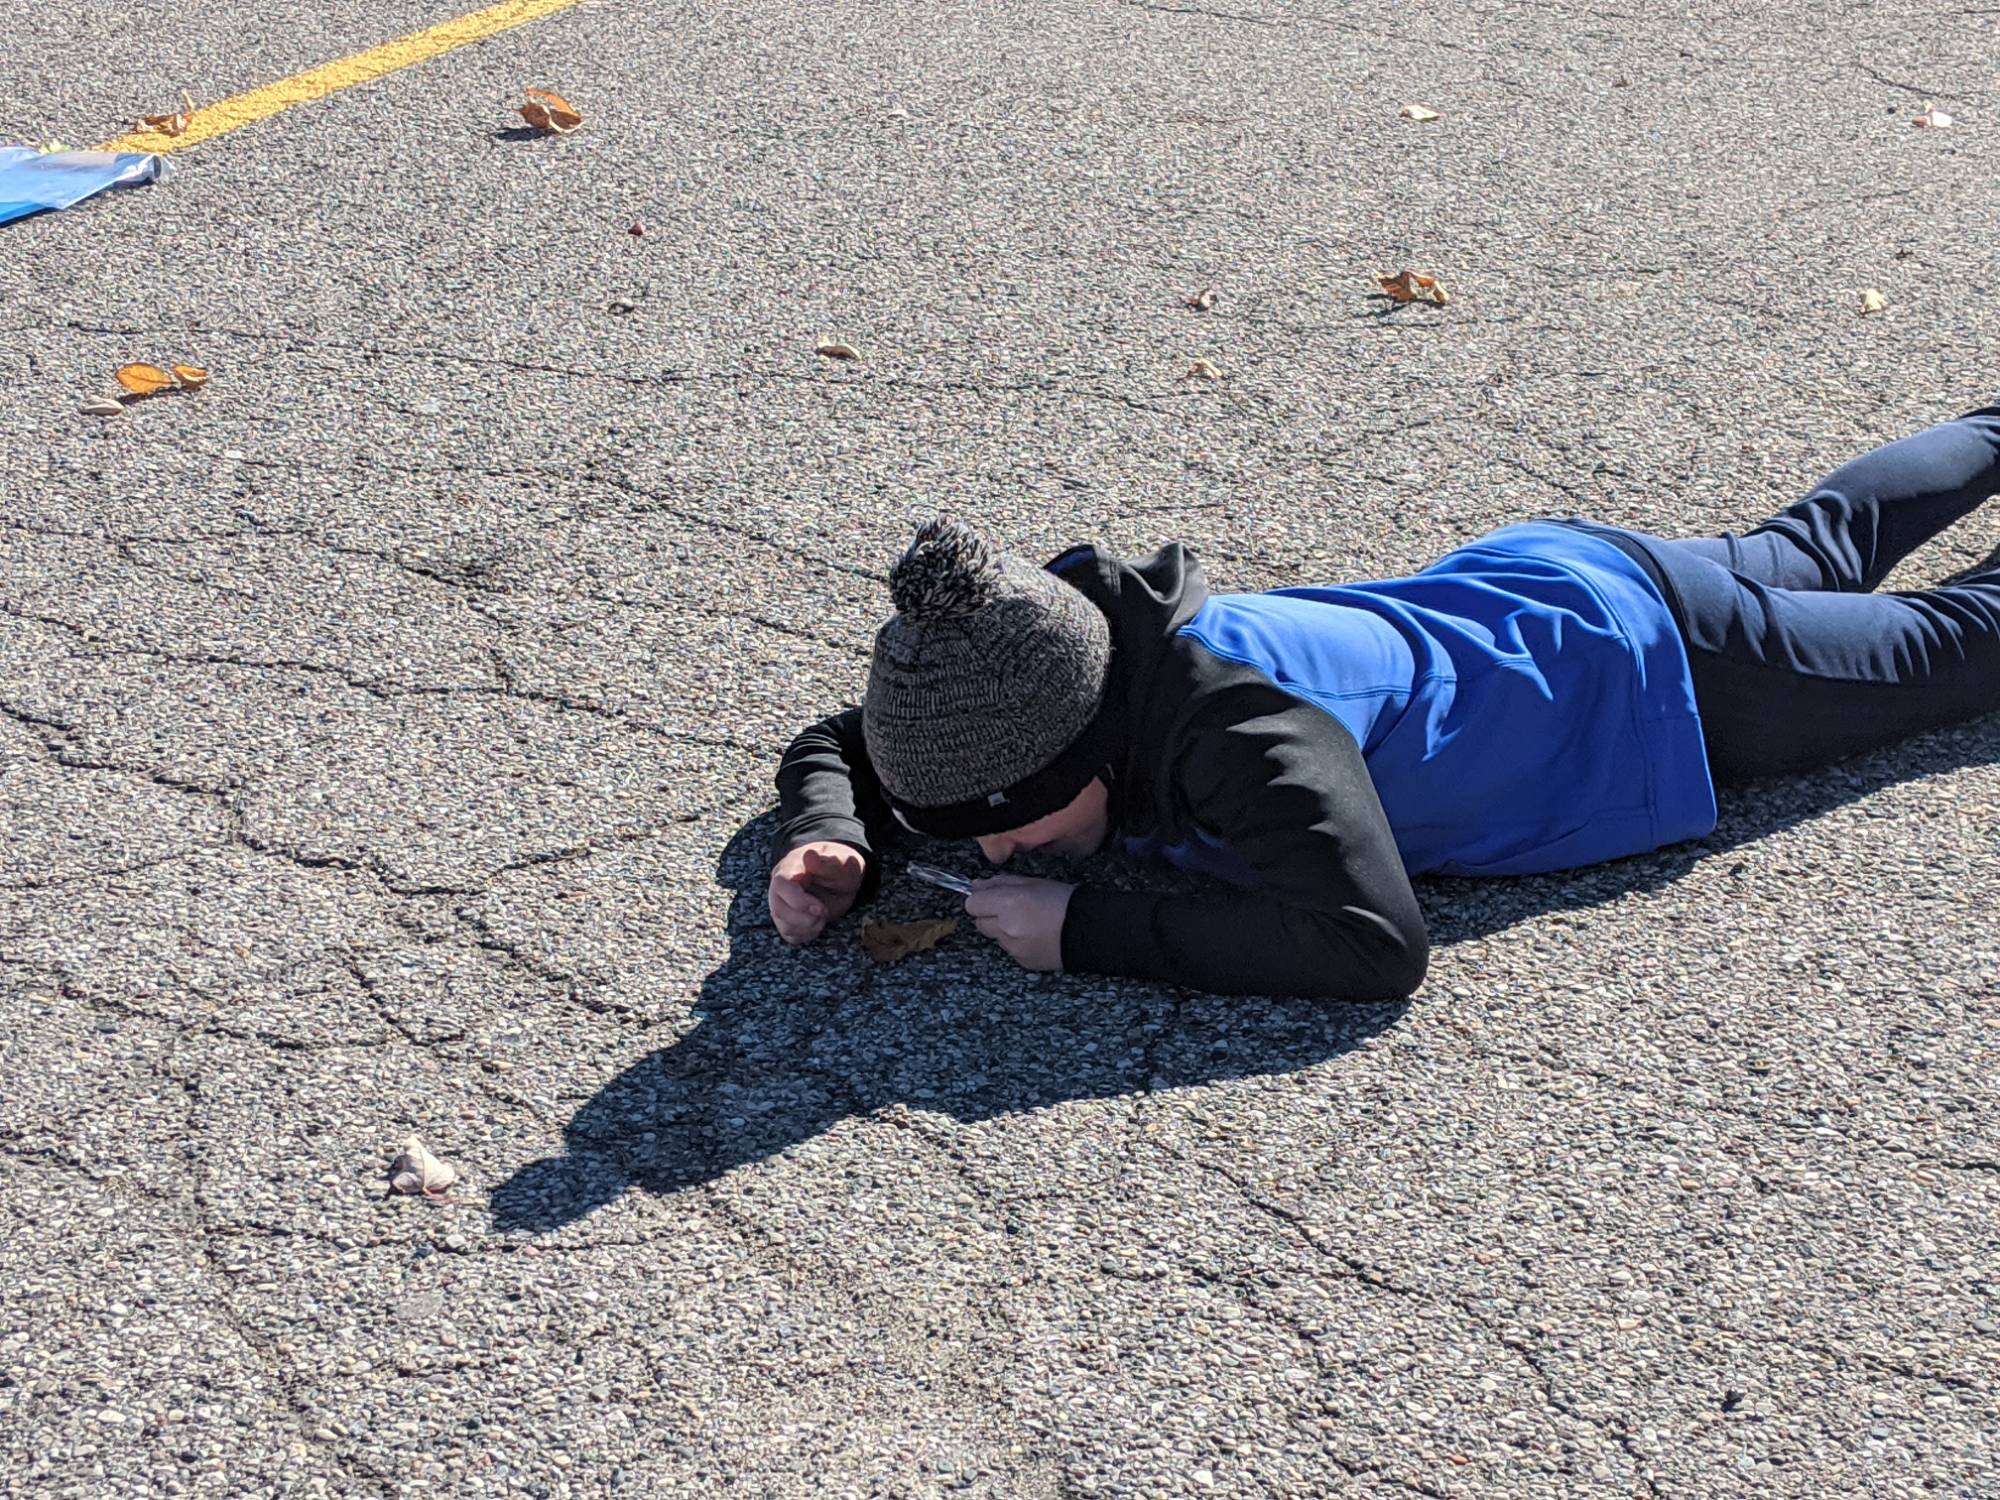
(32, 180)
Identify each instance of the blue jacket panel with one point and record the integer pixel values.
(1523, 705)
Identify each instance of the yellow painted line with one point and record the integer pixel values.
(316, 83)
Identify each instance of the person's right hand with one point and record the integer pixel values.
(813, 885)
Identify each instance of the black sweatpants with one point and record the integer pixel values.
(1796, 662)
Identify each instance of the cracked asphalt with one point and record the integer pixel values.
(386, 737)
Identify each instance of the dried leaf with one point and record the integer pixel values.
(1411, 286)
(102, 406)
(416, 1171)
(835, 350)
(190, 377)
(892, 942)
(174, 124)
(1419, 112)
(1872, 301)
(1202, 300)
(144, 380)
(1932, 118)
(1203, 369)
(547, 111)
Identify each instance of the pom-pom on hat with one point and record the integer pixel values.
(985, 696)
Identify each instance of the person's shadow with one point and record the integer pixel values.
(789, 1042)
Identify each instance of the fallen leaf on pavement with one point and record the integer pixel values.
(144, 380)
(892, 942)
(1410, 286)
(174, 124)
(190, 377)
(1419, 112)
(1873, 301)
(833, 349)
(416, 1171)
(1932, 118)
(547, 111)
(1202, 300)
(102, 406)
(1203, 369)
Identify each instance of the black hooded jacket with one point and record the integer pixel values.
(1209, 750)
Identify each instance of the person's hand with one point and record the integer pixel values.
(1022, 915)
(813, 885)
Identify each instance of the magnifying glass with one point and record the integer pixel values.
(934, 876)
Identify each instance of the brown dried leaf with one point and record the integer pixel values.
(1419, 112)
(833, 349)
(189, 377)
(416, 1171)
(548, 111)
(174, 124)
(892, 942)
(144, 380)
(1412, 286)
(1202, 300)
(1203, 369)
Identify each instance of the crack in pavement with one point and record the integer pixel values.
(210, 1023)
(1921, 90)
(1614, 1428)
(378, 687)
(911, 1122)
(351, 1463)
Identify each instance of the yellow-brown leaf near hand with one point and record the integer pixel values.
(144, 380)
(190, 377)
(892, 942)
(549, 111)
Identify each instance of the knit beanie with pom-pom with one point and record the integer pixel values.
(985, 696)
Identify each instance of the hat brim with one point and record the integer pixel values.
(1028, 800)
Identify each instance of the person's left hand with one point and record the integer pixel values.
(1022, 915)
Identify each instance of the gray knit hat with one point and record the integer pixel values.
(984, 699)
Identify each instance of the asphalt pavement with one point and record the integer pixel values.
(386, 738)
